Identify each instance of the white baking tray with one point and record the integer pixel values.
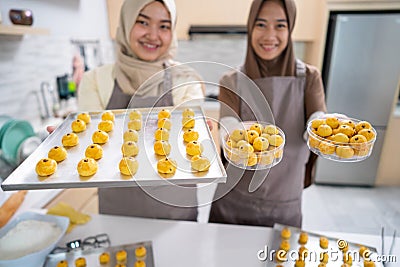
(108, 175)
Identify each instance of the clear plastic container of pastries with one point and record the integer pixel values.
(341, 139)
(253, 145)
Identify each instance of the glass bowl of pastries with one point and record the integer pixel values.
(341, 139)
(253, 145)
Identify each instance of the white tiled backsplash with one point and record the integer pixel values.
(25, 62)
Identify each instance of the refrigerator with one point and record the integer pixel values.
(361, 71)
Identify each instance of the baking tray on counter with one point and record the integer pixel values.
(91, 255)
(108, 174)
(313, 259)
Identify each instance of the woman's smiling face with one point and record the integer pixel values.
(271, 31)
(151, 35)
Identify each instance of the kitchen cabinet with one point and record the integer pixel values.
(22, 30)
(209, 12)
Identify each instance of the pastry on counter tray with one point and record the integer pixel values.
(46, 167)
(80, 262)
(104, 258)
(166, 166)
(70, 139)
(129, 149)
(324, 257)
(140, 252)
(164, 123)
(62, 264)
(303, 252)
(299, 263)
(57, 153)
(128, 166)
(121, 256)
(106, 125)
(323, 242)
(94, 151)
(131, 135)
(140, 264)
(190, 135)
(100, 137)
(78, 126)
(162, 147)
(164, 113)
(135, 124)
(285, 245)
(303, 238)
(135, 115)
(108, 115)
(87, 167)
(161, 134)
(84, 116)
(286, 233)
(200, 163)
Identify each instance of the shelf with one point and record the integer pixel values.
(21, 30)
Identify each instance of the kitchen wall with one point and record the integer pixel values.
(27, 60)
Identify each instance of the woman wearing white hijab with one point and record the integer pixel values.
(146, 44)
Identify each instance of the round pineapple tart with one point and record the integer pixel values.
(200, 163)
(257, 127)
(194, 148)
(135, 124)
(80, 262)
(162, 147)
(188, 122)
(108, 115)
(345, 138)
(84, 116)
(135, 115)
(104, 258)
(70, 139)
(166, 166)
(190, 135)
(121, 256)
(100, 137)
(87, 167)
(161, 134)
(164, 123)
(46, 167)
(106, 125)
(251, 135)
(94, 151)
(57, 153)
(131, 135)
(188, 112)
(128, 165)
(164, 113)
(78, 126)
(140, 252)
(130, 149)
(62, 263)
(140, 263)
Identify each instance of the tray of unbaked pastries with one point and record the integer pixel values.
(126, 147)
(135, 255)
(291, 246)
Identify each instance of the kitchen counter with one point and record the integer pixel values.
(179, 243)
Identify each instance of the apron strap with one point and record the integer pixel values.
(300, 68)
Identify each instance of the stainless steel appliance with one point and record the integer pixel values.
(361, 71)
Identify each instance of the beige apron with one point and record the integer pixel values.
(278, 198)
(149, 201)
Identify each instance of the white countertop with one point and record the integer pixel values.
(178, 243)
